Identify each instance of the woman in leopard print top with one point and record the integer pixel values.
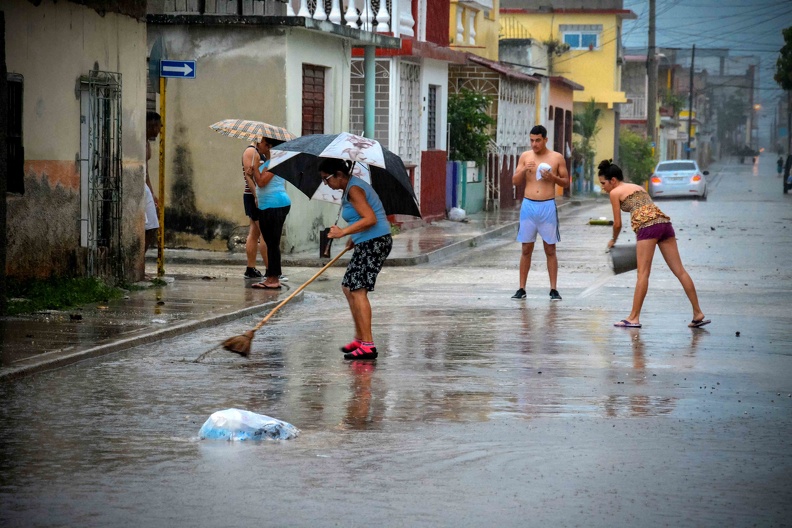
(653, 229)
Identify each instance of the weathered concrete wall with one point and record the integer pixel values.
(52, 45)
(246, 72)
(310, 47)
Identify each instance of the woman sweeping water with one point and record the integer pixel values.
(369, 232)
(653, 229)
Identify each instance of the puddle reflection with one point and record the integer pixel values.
(637, 405)
(360, 414)
(696, 335)
(540, 328)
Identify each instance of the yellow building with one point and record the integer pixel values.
(584, 39)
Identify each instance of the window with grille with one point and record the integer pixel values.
(16, 151)
(431, 109)
(101, 182)
(313, 100)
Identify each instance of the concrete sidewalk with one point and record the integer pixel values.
(185, 303)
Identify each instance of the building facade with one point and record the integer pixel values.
(77, 105)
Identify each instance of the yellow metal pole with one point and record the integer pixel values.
(161, 212)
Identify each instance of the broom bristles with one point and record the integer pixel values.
(239, 344)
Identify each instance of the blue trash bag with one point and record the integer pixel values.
(238, 424)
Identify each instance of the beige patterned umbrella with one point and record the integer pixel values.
(251, 130)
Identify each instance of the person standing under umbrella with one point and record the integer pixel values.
(369, 232)
(273, 207)
(251, 159)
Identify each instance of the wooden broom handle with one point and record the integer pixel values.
(298, 290)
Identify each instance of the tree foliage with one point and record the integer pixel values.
(783, 73)
(672, 100)
(635, 156)
(469, 124)
(586, 125)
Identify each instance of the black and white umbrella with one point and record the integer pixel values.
(297, 161)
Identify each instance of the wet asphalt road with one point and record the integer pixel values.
(480, 411)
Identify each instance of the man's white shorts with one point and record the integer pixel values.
(152, 222)
(538, 217)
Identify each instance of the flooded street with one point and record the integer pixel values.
(480, 410)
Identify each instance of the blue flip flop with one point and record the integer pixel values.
(624, 323)
(699, 323)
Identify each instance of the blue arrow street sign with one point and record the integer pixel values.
(181, 69)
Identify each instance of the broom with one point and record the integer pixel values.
(241, 343)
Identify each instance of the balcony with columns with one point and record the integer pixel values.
(389, 17)
(474, 27)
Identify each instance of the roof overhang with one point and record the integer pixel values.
(354, 35)
(503, 69)
(556, 79)
(477, 4)
(624, 14)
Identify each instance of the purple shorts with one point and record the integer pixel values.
(658, 231)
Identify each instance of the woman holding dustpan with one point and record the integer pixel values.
(653, 229)
(369, 233)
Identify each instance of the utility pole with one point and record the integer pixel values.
(690, 103)
(4, 117)
(651, 67)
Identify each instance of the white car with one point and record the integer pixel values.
(678, 178)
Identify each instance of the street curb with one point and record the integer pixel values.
(44, 363)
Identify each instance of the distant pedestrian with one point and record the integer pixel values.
(369, 233)
(274, 205)
(151, 208)
(251, 159)
(780, 165)
(538, 213)
(653, 229)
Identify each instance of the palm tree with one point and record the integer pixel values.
(586, 125)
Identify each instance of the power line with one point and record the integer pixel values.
(771, 16)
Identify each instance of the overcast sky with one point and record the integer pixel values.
(745, 27)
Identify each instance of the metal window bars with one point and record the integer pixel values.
(102, 156)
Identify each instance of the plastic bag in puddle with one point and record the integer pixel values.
(456, 214)
(238, 424)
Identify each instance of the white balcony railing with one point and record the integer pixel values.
(634, 108)
(367, 15)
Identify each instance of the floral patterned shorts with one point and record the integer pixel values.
(366, 263)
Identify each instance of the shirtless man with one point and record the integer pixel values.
(538, 213)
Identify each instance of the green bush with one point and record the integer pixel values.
(469, 124)
(57, 294)
(635, 156)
